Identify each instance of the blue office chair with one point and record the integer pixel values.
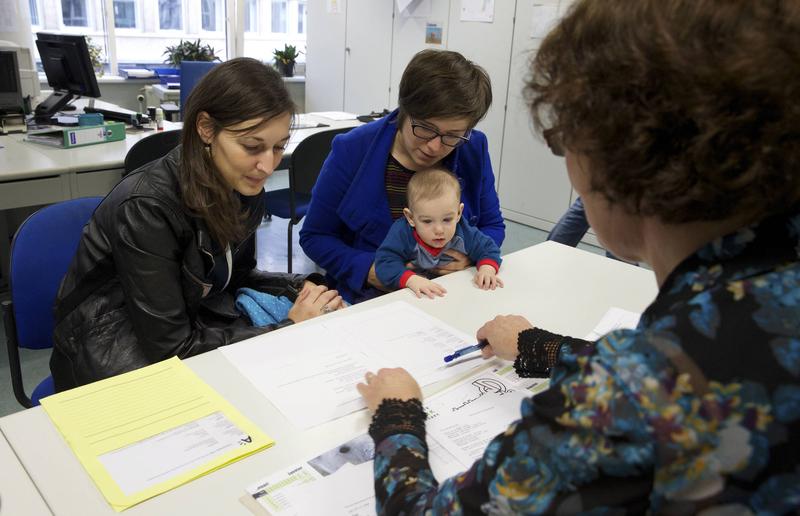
(304, 166)
(41, 252)
(191, 73)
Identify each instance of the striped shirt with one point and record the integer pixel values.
(396, 178)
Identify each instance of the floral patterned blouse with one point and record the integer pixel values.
(698, 407)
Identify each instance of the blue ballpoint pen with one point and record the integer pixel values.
(464, 351)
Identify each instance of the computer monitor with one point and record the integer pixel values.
(10, 89)
(66, 62)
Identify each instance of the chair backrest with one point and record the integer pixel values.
(151, 148)
(307, 159)
(191, 73)
(41, 252)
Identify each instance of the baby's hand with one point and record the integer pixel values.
(425, 286)
(487, 278)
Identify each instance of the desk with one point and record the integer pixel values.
(18, 495)
(557, 287)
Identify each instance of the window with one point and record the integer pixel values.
(34, 12)
(143, 29)
(278, 15)
(251, 16)
(125, 14)
(212, 15)
(271, 24)
(169, 14)
(73, 13)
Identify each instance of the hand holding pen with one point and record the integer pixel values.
(502, 334)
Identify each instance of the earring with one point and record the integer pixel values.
(207, 148)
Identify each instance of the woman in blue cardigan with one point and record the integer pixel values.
(362, 186)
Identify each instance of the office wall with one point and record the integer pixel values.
(532, 184)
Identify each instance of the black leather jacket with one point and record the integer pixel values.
(138, 290)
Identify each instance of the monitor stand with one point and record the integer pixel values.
(51, 105)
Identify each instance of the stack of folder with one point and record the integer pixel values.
(68, 137)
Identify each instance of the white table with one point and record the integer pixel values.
(557, 287)
(18, 495)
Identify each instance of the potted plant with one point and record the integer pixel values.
(96, 56)
(285, 59)
(189, 51)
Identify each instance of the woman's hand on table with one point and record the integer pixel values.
(314, 300)
(394, 383)
(502, 334)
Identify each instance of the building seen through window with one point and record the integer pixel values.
(169, 14)
(124, 14)
(73, 13)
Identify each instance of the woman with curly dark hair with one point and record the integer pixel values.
(160, 262)
(680, 122)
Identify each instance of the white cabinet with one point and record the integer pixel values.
(489, 45)
(368, 45)
(533, 185)
(325, 57)
(349, 56)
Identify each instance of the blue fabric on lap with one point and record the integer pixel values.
(262, 309)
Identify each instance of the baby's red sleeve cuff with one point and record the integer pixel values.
(405, 277)
(487, 261)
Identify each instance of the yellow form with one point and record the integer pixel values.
(145, 432)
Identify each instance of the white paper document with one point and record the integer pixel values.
(270, 492)
(347, 493)
(341, 478)
(464, 418)
(337, 481)
(334, 115)
(333, 6)
(543, 18)
(310, 371)
(402, 4)
(477, 10)
(414, 8)
(461, 421)
(155, 459)
(614, 319)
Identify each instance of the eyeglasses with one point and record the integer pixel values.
(423, 132)
(553, 140)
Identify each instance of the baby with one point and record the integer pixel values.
(432, 225)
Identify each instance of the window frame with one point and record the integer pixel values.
(229, 40)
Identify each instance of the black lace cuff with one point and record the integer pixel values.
(538, 352)
(398, 417)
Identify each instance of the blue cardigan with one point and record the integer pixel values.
(349, 213)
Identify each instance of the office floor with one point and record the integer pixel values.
(271, 249)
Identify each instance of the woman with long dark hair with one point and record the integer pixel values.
(162, 257)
